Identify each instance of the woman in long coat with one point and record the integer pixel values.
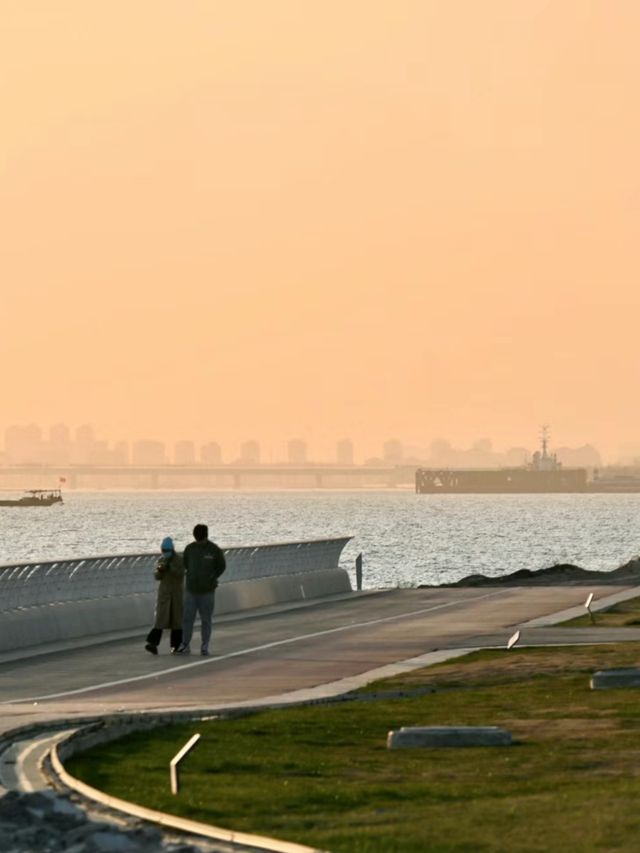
(169, 572)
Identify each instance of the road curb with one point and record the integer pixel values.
(164, 820)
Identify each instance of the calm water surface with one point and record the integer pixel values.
(405, 538)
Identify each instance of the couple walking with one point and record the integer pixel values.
(187, 587)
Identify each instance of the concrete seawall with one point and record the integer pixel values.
(42, 603)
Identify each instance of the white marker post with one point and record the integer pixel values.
(587, 604)
(173, 764)
(513, 640)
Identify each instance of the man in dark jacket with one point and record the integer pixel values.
(203, 564)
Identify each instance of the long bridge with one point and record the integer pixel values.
(206, 476)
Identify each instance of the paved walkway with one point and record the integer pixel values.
(262, 655)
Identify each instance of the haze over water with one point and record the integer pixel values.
(406, 539)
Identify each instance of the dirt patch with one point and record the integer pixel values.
(566, 729)
(623, 614)
(496, 667)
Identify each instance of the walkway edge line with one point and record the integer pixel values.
(216, 833)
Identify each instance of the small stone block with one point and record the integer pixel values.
(430, 736)
(608, 678)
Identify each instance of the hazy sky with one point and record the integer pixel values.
(224, 219)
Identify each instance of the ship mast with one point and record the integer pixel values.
(544, 437)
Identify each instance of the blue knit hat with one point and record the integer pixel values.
(167, 544)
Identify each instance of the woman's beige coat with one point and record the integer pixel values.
(170, 600)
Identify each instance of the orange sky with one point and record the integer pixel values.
(226, 219)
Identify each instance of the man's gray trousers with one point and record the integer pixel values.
(202, 604)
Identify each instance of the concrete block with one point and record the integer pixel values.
(432, 736)
(608, 678)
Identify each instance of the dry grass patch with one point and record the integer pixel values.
(624, 614)
(566, 729)
(498, 667)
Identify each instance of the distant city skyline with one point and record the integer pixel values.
(61, 444)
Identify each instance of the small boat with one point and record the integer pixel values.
(36, 497)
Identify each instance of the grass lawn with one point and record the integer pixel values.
(322, 775)
(618, 615)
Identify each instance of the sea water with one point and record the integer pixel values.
(406, 539)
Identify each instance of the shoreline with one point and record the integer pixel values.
(559, 574)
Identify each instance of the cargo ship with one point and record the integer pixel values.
(543, 475)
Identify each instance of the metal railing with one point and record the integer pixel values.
(35, 584)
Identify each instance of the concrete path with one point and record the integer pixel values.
(266, 654)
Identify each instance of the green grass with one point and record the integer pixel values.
(322, 775)
(625, 613)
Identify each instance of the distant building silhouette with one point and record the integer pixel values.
(58, 451)
(100, 454)
(392, 451)
(628, 454)
(579, 457)
(516, 457)
(441, 452)
(211, 453)
(184, 453)
(23, 444)
(148, 453)
(250, 453)
(414, 454)
(83, 446)
(59, 435)
(297, 452)
(121, 453)
(344, 452)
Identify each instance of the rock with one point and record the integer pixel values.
(12, 807)
(45, 822)
(39, 804)
(83, 831)
(111, 841)
(146, 837)
(65, 816)
(182, 848)
(61, 805)
(35, 837)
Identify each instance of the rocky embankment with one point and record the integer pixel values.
(563, 573)
(48, 823)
